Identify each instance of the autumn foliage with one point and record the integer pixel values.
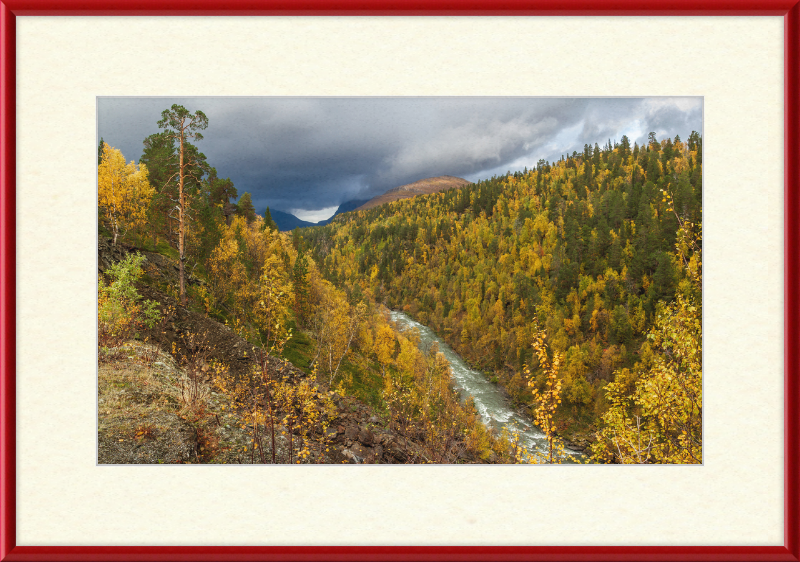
(123, 193)
(576, 284)
(592, 247)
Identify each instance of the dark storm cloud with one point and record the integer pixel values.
(314, 153)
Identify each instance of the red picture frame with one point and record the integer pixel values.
(788, 9)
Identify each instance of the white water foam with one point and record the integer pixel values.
(489, 400)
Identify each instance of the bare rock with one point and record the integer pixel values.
(365, 436)
(363, 453)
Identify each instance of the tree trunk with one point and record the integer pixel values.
(181, 230)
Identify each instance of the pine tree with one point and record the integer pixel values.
(246, 208)
(268, 221)
(302, 305)
(182, 126)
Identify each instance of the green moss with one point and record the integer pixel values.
(362, 379)
(300, 349)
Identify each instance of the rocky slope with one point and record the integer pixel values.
(141, 419)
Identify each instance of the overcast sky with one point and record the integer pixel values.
(308, 155)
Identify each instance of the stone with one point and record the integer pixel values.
(360, 451)
(366, 437)
(348, 454)
(351, 433)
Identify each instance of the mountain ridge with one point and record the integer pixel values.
(287, 221)
(421, 187)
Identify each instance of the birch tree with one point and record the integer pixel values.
(123, 192)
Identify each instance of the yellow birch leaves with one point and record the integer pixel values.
(546, 402)
(123, 192)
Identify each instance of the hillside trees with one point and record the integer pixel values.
(236, 266)
(659, 419)
(123, 192)
(586, 245)
(301, 285)
(182, 126)
(655, 413)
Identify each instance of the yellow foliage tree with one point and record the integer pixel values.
(335, 324)
(660, 422)
(547, 401)
(244, 252)
(123, 192)
(271, 313)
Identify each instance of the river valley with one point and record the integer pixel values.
(490, 400)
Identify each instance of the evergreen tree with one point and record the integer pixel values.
(268, 221)
(182, 126)
(302, 305)
(297, 239)
(245, 208)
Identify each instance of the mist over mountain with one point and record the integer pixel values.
(287, 221)
(345, 207)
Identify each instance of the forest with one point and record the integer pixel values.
(576, 286)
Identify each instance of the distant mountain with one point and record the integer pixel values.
(421, 187)
(286, 221)
(345, 207)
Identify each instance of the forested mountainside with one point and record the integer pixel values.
(576, 286)
(591, 248)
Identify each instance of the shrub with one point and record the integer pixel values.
(120, 309)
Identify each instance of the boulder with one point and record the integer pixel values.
(365, 436)
(360, 451)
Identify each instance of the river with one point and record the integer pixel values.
(491, 403)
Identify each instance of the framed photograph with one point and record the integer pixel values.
(295, 171)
